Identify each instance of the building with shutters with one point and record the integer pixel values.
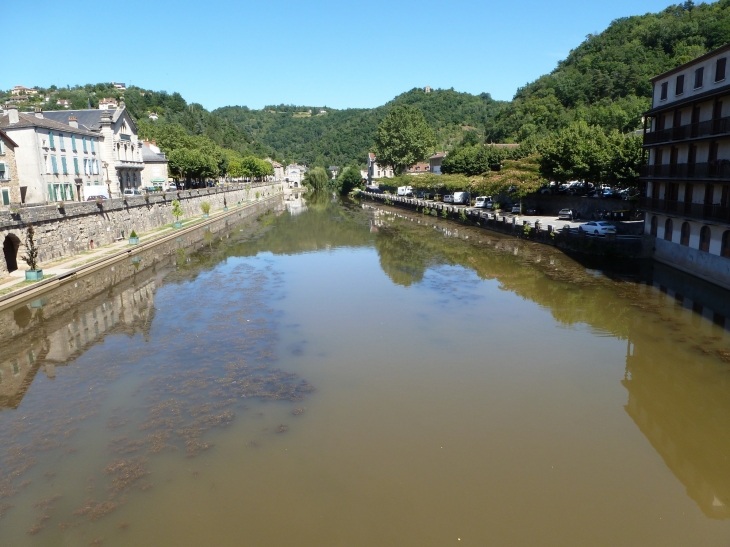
(685, 184)
(54, 160)
(9, 182)
(376, 171)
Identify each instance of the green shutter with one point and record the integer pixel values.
(50, 192)
(64, 165)
(3, 172)
(76, 166)
(50, 139)
(54, 165)
(60, 141)
(73, 143)
(92, 145)
(6, 196)
(71, 191)
(84, 141)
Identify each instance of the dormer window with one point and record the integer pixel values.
(699, 77)
(663, 96)
(720, 69)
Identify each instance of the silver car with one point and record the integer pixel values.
(598, 227)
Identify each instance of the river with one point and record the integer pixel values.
(345, 374)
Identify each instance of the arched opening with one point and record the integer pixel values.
(684, 240)
(10, 250)
(726, 244)
(654, 224)
(705, 235)
(668, 229)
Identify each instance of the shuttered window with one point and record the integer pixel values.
(84, 143)
(679, 88)
(4, 172)
(699, 77)
(92, 145)
(54, 165)
(73, 143)
(663, 96)
(6, 196)
(64, 165)
(61, 141)
(76, 166)
(720, 69)
(51, 142)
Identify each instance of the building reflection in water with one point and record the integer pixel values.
(679, 391)
(47, 342)
(295, 203)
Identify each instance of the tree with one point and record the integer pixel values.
(577, 152)
(403, 138)
(31, 249)
(349, 178)
(317, 178)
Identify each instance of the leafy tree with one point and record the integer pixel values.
(31, 248)
(403, 138)
(349, 178)
(317, 178)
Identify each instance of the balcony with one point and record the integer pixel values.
(697, 211)
(719, 169)
(720, 126)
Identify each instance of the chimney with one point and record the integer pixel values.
(38, 112)
(154, 143)
(13, 113)
(73, 121)
(146, 142)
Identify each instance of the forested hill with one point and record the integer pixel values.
(605, 80)
(324, 136)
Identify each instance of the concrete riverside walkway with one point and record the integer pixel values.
(15, 282)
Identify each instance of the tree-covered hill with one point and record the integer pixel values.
(605, 80)
(324, 136)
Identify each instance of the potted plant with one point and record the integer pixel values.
(100, 203)
(15, 212)
(177, 212)
(205, 207)
(133, 238)
(258, 195)
(59, 206)
(31, 256)
(225, 204)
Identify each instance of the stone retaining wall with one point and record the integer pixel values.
(81, 225)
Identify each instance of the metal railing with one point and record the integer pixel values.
(698, 211)
(689, 131)
(711, 170)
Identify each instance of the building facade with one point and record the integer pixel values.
(55, 161)
(434, 162)
(9, 182)
(685, 184)
(155, 165)
(376, 171)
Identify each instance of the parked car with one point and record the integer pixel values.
(462, 197)
(448, 198)
(96, 197)
(131, 192)
(598, 227)
(516, 209)
(567, 214)
(483, 202)
(171, 187)
(532, 211)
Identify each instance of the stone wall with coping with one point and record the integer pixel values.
(80, 225)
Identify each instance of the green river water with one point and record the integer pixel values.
(341, 374)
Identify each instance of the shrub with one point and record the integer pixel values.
(31, 249)
(205, 207)
(133, 234)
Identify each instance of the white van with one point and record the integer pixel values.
(462, 197)
(405, 190)
(483, 202)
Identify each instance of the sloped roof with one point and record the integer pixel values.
(4, 136)
(89, 119)
(150, 156)
(30, 120)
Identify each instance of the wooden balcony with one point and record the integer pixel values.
(714, 170)
(708, 128)
(696, 211)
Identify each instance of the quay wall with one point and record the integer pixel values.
(80, 226)
(707, 266)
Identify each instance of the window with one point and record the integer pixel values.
(726, 244)
(93, 150)
(720, 69)
(679, 87)
(86, 167)
(6, 196)
(4, 174)
(83, 141)
(61, 142)
(64, 165)
(76, 166)
(2, 148)
(705, 236)
(699, 77)
(96, 167)
(51, 142)
(663, 96)
(668, 229)
(654, 224)
(684, 238)
(73, 143)
(54, 165)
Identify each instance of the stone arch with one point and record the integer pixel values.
(11, 244)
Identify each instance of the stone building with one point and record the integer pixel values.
(121, 149)
(294, 175)
(54, 159)
(278, 169)
(9, 182)
(155, 165)
(686, 184)
(376, 171)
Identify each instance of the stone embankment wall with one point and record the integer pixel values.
(80, 226)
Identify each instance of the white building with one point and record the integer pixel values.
(155, 165)
(108, 104)
(54, 160)
(294, 175)
(375, 171)
(686, 184)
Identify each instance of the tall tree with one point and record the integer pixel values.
(403, 138)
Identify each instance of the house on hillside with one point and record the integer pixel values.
(19, 90)
(119, 86)
(434, 162)
(63, 102)
(376, 171)
(108, 104)
(9, 181)
(54, 160)
(333, 170)
(153, 116)
(685, 187)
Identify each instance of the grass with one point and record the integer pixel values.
(22, 284)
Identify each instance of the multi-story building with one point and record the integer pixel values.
(418, 168)
(155, 165)
(434, 162)
(686, 179)
(121, 150)
(20, 90)
(54, 160)
(9, 182)
(376, 171)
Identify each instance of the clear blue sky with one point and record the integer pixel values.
(322, 52)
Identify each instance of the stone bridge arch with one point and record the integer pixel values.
(11, 248)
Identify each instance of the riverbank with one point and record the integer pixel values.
(561, 234)
(14, 288)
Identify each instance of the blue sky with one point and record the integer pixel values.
(322, 52)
